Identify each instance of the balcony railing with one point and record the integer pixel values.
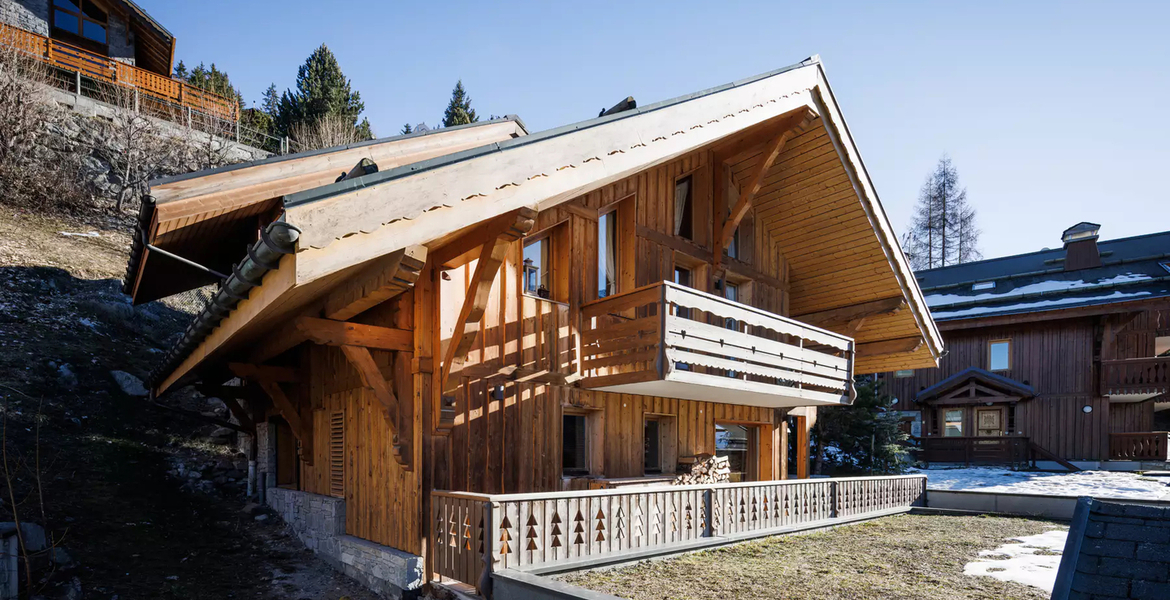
(969, 450)
(107, 70)
(668, 340)
(475, 534)
(1144, 445)
(1135, 376)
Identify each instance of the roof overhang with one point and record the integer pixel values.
(975, 386)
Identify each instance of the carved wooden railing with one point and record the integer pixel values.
(1135, 376)
(668, 332)
(521, 531)
(105, 69)
(1145, 445)
(985, 450)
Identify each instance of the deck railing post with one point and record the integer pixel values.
(834, 499)
(489, 550)
(77, 81)
(709, 507)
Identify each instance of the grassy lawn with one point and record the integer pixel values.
(907, 556)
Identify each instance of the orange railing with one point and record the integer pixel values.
(107, 70)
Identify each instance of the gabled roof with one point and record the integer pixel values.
(1132, 269)
(991, 381)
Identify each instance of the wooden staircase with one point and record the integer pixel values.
(1038, 450)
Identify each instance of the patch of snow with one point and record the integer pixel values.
(1022, 564)
(1054, 285)
(1098, 484)
(88, 234)
(978, 310)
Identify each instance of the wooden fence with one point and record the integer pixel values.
(969, 450)
(1145, 445)
(533, 530)
(107, 70)
(1135, 376)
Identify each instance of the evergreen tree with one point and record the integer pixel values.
(181, 71)
(864, 436)
(322, 90)
(943, 230)
(459, 111)
(406, 129)
(270, 102)
(210, 79)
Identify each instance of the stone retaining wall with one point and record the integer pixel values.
(319, 522)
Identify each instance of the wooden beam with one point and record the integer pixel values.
(271, 373)
(340, 333)
(302, 429)
(756, 179)
(388, 277)
(277, 342)
(467, 325)
(238, 411)
(361, 360)
(465, 247)
(885, 306)
(897, 346)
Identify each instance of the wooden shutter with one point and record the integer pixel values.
(337, 454)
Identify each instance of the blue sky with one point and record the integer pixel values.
(1053, 112)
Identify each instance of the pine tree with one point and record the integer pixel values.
(459, 111)
(406, 129)
(181, 71)
(270, 102)
(864, 436)
(942, 231)
(322, 90)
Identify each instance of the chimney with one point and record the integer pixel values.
(1080, 246)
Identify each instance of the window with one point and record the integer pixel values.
(81, 17)
(1162, 346)
(537, 267)
(953, 423)
(682, 276)
(731, 292)
(738, 443)
(607, 254)
(651, 446)
(574, 446)
(903, 374)
(684, 217)
(999, 355)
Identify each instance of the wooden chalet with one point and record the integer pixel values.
(1058, 355)
(427, 326)
(107, 42)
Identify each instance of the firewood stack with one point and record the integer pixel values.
(702, 469)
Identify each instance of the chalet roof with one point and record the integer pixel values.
(1009, 387)
(1134, 268)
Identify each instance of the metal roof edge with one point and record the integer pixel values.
(334, 189)
(1035, 252)
(275, 158)
(1052, 271)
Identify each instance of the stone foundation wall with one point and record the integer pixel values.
(319, 522)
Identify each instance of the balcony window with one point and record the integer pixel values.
(953, 423)
(999, 355)
(574, 446)
(684, 212)
(81, 18)
(607, 254)
(537, 267)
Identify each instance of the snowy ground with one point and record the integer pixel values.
(1099, 484)
(1031, 560)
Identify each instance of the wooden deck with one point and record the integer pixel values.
(107, 70)
(971, 450)
(668, 340)
(1135, 376)
(530, 531)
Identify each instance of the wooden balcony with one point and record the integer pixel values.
(475, 534)
(107, 70)
(1135, 376)
(1145, 445)
(671, 341)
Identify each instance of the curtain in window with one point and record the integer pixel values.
(611, 253)
(681, 190)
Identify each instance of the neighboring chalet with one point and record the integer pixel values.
(90, 43)
(412, 323)
(1057, 354)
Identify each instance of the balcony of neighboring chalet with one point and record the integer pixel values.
(668, 340)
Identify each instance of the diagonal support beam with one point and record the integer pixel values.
(897, 346)
(301, 428)
(387, 278)
(756, 180)
(361, 360)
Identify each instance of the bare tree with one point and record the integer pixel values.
(942, 231)
(133, 145)
(326, 132)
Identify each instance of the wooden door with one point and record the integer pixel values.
(988, 422)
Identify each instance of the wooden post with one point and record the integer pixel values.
(489, 550)
(708, 505)
(802, 447)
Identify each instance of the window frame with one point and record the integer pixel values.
(655, 467)
(547, 271)
(611, 218)
(990, 356)
(685, 224)
(79, 38)
(946, 420)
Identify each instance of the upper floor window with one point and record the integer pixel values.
(607, 254)
(999, 355)
(684, 212)
(82, 18)
(538, 266)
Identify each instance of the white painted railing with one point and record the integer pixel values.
(533, 530)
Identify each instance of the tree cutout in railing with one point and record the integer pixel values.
(755, 510)
(620, 525)
(637, 520)
(556, 530)
(776, 505)
(579, 529)
(480, 538)
(689, 516)
(453, 533)
(467, 533)
(730, 511)
(742, 511)
(703, 517)
(600, 528)
(505, 536)
(532, 535)
(673, 518)
(656, 518)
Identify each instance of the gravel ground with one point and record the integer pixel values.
(902, 557)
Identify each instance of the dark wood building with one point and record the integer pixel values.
(1058, 353)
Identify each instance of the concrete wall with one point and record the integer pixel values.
(515, 585)
(1030, 505)
(29, 15)
(319, 522)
